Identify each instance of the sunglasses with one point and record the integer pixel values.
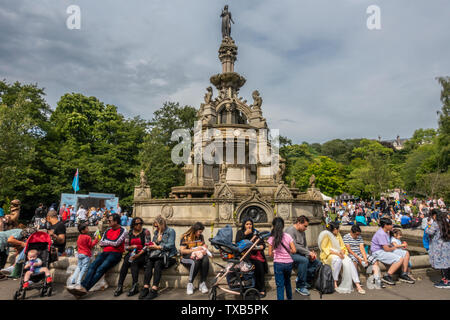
(138, 223)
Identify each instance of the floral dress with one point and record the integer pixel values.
(439, 252)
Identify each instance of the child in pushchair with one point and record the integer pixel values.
(239, 271)
(38, 253)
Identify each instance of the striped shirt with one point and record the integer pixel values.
(353, 243)
(355, 247)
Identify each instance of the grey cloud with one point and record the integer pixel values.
(321, 73)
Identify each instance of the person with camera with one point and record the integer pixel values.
(160, 256)
(305, 260)
(136, 255)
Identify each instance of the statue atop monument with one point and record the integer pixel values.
(143, 179)
(226, 22)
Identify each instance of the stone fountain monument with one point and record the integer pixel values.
(225, 191)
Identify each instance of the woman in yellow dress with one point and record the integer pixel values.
(334, 253)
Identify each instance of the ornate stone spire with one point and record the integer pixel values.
(228, 78)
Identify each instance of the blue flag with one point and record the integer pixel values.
(76, 182)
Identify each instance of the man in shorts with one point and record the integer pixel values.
(383, 251)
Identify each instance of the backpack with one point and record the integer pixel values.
(323, 280)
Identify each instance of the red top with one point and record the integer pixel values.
(136, 242)
(113, 236)
(65, 215)
(85, 244)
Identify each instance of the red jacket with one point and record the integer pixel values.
(85, 244)
(66, 215)
(114, 240)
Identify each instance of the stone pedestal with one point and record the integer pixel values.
(142, 193)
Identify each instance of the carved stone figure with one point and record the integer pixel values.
(312, 181)
(223, 172)
(257, 100)
(143, 179)
(293, 183)
(281, 169)
(226, 22)
(11, 221)
(208, 95)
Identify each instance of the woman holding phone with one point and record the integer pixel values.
(257, 257)
(160, 256)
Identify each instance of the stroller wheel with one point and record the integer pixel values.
(49, 292)
(43, 292)
(251, 294)
(213, 293)
(23, 295)
(16, 295)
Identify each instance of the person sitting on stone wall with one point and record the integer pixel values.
(257, 257)
(160, 256)
(334, 253)
(113, 243)
(355, 247)
(195, 256)
(383, 251)
(305, 260)
(136, 255)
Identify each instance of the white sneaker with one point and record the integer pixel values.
(190, 289)
(7, 271)
(203, 288)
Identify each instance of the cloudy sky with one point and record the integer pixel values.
(321, 72)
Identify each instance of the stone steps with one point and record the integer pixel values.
(177, 275)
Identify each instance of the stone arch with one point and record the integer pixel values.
(239, 106)
(254, 201)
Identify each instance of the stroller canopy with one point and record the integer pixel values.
(39, 237)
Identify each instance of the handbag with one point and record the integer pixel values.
(155, 254)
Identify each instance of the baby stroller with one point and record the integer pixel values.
(41, 242)
(238, 273)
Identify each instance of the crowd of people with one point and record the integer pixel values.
(404, 213)
(92, 216)
(287, 245)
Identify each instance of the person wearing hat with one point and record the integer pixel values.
(10, 221)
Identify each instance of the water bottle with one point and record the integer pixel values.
(131, 255)
(377, 283)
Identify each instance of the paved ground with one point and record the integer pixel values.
(422, 290)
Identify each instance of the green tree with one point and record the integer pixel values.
(330, 176)
(340, 150)
(93, 137)
(155, 155)
(375, 173)
(23, 125)
(444, 125)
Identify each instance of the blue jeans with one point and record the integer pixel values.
(305, 269)
(104, 262)
(83, 264)
(283, 273)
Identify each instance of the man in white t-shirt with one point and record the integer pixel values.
(81, 214)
